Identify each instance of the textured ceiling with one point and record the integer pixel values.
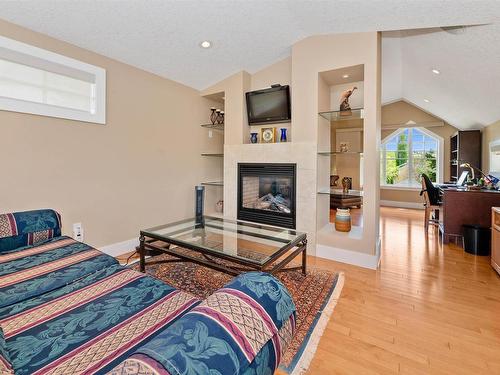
(467, 92)
(162, 37)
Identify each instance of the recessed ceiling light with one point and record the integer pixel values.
(435, 71)
(206, 44)
(427, 100)
(345, 76)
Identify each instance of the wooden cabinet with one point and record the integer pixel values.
(465, 147)
(495, 238)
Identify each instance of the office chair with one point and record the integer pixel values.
(432, 202)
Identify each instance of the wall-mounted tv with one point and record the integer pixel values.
(269, 105)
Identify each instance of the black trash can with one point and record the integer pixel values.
(477, 239)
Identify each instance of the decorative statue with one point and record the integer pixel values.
(333, 180)
(345, 108)
(346, 184)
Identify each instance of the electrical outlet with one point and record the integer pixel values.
(78, 232)
(210, 134)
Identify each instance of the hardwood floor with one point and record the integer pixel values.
(428, 309)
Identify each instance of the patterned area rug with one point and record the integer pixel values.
(315, 296)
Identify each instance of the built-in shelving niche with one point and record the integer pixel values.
(334, 126)
(213, 157)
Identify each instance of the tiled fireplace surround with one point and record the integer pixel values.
(301, 154)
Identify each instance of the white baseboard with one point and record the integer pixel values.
(120, 248)
(414, 205)
(350, 257)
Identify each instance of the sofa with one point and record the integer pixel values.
(67, 308)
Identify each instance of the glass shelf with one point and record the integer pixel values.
(210, 154)
(213, 126)
(357, 193)
(339, 153)
(353, 114)
(213, 183)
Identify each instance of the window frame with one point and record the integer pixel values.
(439, 157)
(26, 54)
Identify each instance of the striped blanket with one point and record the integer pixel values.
(243, 328)
(67, 308)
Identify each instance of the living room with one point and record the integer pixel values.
(147, 143)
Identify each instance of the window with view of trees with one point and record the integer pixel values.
(407, 154)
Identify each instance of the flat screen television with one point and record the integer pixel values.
(269, 105)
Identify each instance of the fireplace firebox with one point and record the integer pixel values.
(266, 193)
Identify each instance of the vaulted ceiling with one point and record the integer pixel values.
(466, 93)
(163, 37)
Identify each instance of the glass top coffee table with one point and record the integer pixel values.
(230, 246)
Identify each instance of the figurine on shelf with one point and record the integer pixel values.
(213, 116)
(333, 179)
(345, 108)
(344, 146)
(346, 184)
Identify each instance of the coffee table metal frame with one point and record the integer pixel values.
(159, 244)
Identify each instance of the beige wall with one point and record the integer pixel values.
(137, 171)
(489, 134)
(398, 114)
(279, 72)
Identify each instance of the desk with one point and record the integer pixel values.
(462, 207)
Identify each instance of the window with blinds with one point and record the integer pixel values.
(40, 82)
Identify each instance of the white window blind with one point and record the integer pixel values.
(36, 81)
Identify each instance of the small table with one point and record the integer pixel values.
(339, 199)
(242, 245)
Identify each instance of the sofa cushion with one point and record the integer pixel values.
(244, 325)
(267, 291)
(20, 229)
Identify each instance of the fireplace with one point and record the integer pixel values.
(266, 193)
